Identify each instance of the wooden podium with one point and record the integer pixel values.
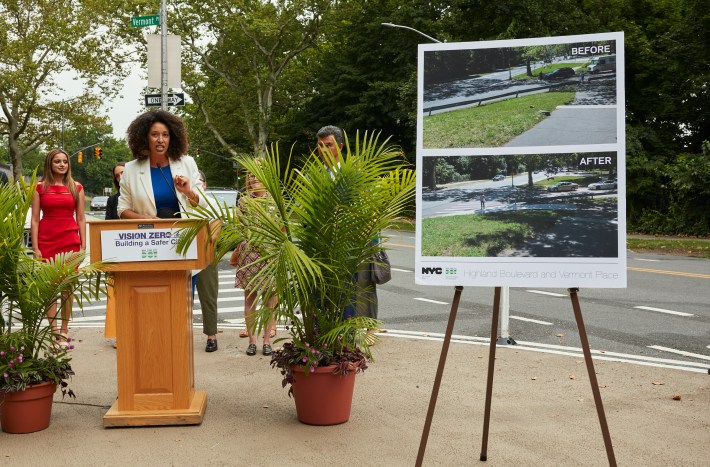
(153, 292)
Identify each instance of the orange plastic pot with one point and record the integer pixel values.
(27, 411)
(321, 397)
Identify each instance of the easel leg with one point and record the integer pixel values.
(439, 373)
(491, 366)
(592, 376)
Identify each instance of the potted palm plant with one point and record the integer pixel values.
(315, 230)
(32, 365)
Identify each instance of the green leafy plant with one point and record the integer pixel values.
(29, 353)
(315, 230)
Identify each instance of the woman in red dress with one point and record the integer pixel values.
(62, 227)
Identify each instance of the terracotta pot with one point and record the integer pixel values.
(323, 398)
(27, 411)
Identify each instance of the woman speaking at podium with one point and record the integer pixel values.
(162, 181)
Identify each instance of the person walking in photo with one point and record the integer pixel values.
(483, 201)
(242, 258)
(62, 227)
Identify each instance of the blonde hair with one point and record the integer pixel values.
(48, 176)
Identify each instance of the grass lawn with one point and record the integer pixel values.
(490, 125)
(672, 246)
(481, 235)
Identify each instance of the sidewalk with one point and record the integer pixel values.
(543, 413)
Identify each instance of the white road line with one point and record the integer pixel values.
(400, 270)
(645, 259)
(551, 294)
(520, 318)
(680, 352)
(431, 301)
(662, 310)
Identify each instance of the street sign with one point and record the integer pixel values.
(143, 21)
(155, 100)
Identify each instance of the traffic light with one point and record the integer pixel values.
(101, 152)
(197, 152)
(96, 153)
(81, 157)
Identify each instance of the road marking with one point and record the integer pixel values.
(542, 292)
(672, 273)
(520, 318)
(431, 301)
(400, 270)
(679, 352)
(598, 355)
(644, 259)
(662, 310)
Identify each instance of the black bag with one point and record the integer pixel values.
(380, 268)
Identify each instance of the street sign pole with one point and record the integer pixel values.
(164, 54)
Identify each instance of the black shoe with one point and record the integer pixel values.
(266, 349)
(251, 350)
(211, 345)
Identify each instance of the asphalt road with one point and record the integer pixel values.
(665, 305)
(663, 317)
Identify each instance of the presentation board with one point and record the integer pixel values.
(521, 163)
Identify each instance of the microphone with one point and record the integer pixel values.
(172, 187)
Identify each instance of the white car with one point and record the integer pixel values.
(603, 185)
(498, 178)
(98, 203)
(222, 196)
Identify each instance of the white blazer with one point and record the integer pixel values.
(137, 186)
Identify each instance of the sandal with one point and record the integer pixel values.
(244, 333)
(251, 350)
(266, 349)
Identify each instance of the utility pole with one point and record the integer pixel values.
(163, 55)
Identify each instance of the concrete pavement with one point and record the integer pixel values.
(543, 413)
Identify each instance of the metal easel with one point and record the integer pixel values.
(491, 366)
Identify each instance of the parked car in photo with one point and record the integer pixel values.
(560, 73)
(498, 178)
(98, 203)
(222, 196)
(602, 64)
(603, 185)
(563, 186)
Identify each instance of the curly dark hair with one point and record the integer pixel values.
(137, 134)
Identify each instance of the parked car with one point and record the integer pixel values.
(563, 186)
(223, 196)
(603, 185)
(498, 178)
(98, 203)
(560, 73)
(601, 64)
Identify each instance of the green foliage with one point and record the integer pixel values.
(39, 41)
(314, 231)
(28, 288)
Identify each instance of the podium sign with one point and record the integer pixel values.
(143, 245)
(153, 291)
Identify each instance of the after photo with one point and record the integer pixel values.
(533, 205)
